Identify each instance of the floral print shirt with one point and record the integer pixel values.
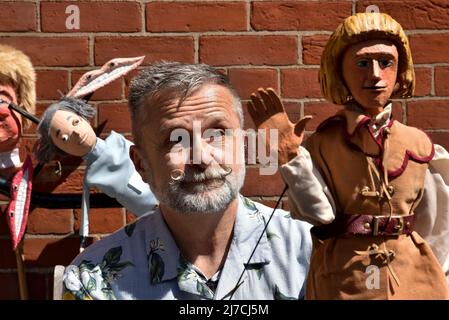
(142, 261)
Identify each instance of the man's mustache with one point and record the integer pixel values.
(196, 175)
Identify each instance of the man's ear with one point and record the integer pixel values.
(136, 158)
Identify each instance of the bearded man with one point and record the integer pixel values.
(205, 240)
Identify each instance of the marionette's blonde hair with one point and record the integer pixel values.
(358, 28)
(16, 70)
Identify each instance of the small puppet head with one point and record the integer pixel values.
(65, 129)
(17, 71)
(363, 27)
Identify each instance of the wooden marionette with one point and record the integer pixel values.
(17, 86)
(65, 130)
(374, 189)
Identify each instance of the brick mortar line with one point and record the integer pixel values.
(38, 16)
(186, 1)
(88, 1)
(322, 100)
(143, 13)
(283, 67)
(269, 66)
(31, 236)
(437, 130)
(233, 66)
(404, 111)
(425, 31)
(203, 33)
(296, 100)
(299, 50)
(91, 44)
(270, 198)
(196, 48)
(431, 65)
(123, 217)
(432, 81)
(248, 16)
(278, 77)
(425, 98)
(72, 221)
(94, 102)
(168, 34)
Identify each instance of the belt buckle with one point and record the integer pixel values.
(399, 227)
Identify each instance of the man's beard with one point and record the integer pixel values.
(209, 190)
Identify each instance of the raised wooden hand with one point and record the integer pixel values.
(268, 112)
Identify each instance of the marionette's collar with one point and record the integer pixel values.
(356, 117)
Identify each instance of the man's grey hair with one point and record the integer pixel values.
(44, 149)
(164, 81)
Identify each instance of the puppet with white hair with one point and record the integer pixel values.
(65, 130)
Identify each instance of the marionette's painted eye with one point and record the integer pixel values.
(75, 122)
(65, 137)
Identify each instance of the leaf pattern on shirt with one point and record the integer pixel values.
(88, 279)
(249, 204)
(129, 228)
(278, 295)
(155, 262)
(270, 235)
(187, 273)
(203, 289)
(258, 267)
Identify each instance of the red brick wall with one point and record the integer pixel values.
(258, 43)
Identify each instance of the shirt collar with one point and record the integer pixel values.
(165, 262)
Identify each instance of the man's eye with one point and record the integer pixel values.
(362, 63)
(216, 136)
(219, 132)
(65, 137)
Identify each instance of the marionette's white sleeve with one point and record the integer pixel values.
(110, 169)
(432, 213)
(309, 198)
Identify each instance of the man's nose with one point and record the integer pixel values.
(202, 152)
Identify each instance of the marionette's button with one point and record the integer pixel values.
(15, 187)
(11, 214)
(390, 190)
(367, 226)
(365, 191)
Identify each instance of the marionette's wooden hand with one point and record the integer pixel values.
(268, 112)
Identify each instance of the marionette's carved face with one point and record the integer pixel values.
(72, 133)
(370, 71)
(10, 121)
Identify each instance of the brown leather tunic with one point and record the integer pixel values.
(366, 266)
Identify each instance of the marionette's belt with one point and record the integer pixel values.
(365, 225)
